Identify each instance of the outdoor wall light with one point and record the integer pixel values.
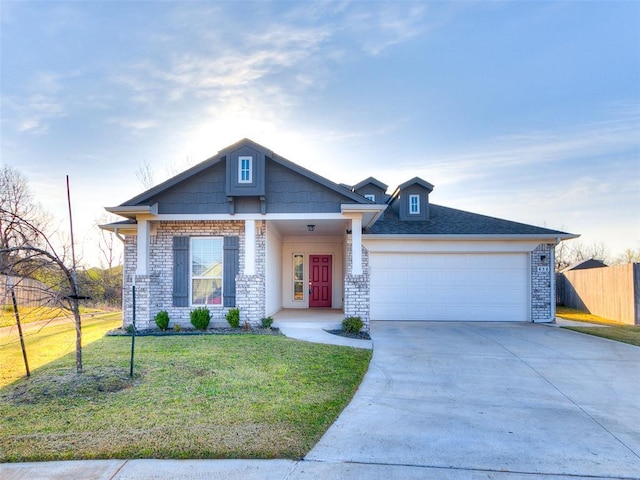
(543, 258)
(311, 228)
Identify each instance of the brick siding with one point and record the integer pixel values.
(542, 277)
(154, 292)
(357, 287)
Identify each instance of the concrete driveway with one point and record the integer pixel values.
(476, 398)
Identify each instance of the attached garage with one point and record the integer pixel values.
(483, 286)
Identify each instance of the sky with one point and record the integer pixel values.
(528, 111)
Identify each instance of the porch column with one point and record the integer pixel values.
(356, 246)
(142, 264)
(249, 247)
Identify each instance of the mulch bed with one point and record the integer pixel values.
(154, 332)
(359, 335)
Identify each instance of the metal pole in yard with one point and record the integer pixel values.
(15, 309)
(133, 331)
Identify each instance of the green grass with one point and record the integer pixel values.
(35, 314)
(215, 396)
(48, 343)
(580, 316)
(621, 333)
(614, 330)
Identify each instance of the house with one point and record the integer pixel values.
(585, 264)
(249, 229)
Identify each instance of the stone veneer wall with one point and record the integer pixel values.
(542, 283)
(154, 292)
(128, 277)
(251, 289)
(356, 287)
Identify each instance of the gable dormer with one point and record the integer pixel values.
(413, 199)
(245, 167)
(371, 189)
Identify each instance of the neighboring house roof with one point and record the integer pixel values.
(450, 221)
(585, 264)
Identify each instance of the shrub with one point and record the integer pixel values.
(162, 320)
(267, 322)
(200, 318)
(130, 329)
(352, 325)
(177, 327)
(233, 317)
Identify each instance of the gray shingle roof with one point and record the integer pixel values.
(585, 264)
(450, 221)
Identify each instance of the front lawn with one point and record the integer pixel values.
(214, 396)
(35, 314)
(613, 330)
(621, 333)
(48, 342)
(580, 316)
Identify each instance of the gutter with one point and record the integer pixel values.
(469, 236)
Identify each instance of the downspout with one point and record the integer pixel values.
(120, 237)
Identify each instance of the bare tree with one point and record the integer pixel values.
(27, 251)
(574, 251)
(68, 297)
(628, 256)
(105, 283)
(144, 174)
(110, 253)
(176, 167)
(17, 204)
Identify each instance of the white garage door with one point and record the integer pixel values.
(468, 287)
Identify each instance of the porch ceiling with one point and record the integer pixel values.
(322, 227)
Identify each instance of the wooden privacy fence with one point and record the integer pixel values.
(609, 292)
(29, 292)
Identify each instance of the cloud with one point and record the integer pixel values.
(569, 149)
(390, 25)
(137, 126)
(35, 113)
(228, 73)
(288, 53)
(41, 102)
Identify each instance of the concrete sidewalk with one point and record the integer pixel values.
(316, 332)
(255, 470)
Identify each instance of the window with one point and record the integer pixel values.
(370, 196)
(206, 270)
(244, 169)
(298, 277)
(414, 204)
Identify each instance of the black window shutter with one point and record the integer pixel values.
(180, 271)
(231, 265)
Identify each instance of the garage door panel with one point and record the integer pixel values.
(481, 287)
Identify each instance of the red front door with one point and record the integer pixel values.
(320, 281)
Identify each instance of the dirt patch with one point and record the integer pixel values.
(98, 382)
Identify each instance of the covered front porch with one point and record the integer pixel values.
(310, 316)
(312, 262)
(313, 324)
